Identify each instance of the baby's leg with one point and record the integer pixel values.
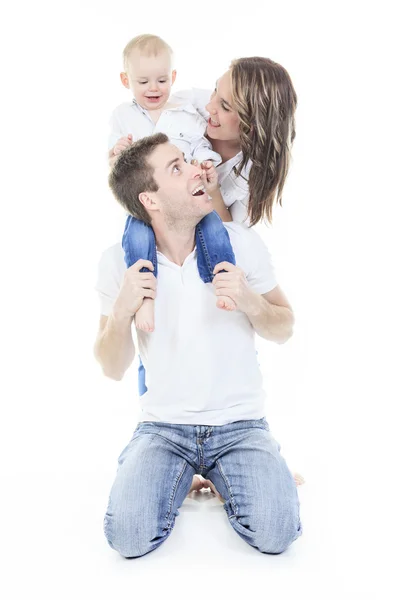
(139, 242)
(144, 318)
(214, 247)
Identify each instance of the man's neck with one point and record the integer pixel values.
(225, 148)
(176, 242)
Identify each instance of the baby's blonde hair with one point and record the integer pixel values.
(149, 45)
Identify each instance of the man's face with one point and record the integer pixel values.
(150, 79)
(181, 197)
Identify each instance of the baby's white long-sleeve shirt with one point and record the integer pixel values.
(182, 123)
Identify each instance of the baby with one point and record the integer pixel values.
(149, 76)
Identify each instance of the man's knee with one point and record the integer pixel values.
(276, 531)
(131, 536)
(271, 532)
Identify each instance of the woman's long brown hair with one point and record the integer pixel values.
(265, 99)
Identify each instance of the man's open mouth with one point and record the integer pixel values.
(199, 191)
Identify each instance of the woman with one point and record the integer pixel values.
(251, 125)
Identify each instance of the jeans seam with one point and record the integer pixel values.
(200, 457)
(209, 278)
(155, 262)
(173, 494)
(228, 487)
(128, 259)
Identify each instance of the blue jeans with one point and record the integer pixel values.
(243, 461)
(212, 243)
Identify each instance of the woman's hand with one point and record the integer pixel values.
(209, 176)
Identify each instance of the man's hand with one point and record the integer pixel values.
(234, 285)
(135, 288)
(122, 144)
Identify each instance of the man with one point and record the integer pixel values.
(203, 411)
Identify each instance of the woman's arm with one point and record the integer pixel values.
(210, 180)
(220, 206)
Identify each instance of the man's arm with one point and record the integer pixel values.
(270, 314)
(114, 348)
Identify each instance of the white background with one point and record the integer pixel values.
(332, 389)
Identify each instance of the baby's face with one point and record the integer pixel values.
(150, 79)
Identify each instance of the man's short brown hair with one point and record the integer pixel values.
(132, 174)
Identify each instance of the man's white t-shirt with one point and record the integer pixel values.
(201, 364)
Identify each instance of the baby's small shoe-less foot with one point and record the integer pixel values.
(226, 303)
(144, 318)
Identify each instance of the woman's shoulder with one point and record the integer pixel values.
(251, 250)
(244, 237)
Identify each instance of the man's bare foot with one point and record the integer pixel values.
(298, 479)
(199, 483)
(144, 318)
(226, 303)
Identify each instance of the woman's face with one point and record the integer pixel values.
(223, 123)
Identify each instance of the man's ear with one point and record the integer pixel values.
(147, 201)
(173, 77)
(124, 80)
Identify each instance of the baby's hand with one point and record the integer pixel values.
(209, 176)
(122, 144)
